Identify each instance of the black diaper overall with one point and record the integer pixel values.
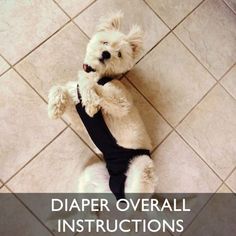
(117, 158)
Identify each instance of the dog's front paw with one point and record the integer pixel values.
(57, 101)
(91, 101)
(91, 110)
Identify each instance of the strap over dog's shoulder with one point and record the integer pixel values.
(104, 80)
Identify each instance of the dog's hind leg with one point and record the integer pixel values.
(94, 179)
(57, 101)
(141, 176)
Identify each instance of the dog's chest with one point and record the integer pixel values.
(129, 131)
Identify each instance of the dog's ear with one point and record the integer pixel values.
(112, 22)
(135, 38)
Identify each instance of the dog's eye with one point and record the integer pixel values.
(105, 43)
(119, 54)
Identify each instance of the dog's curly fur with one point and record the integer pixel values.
(115, 102)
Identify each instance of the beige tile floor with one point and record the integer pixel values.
(185, 81)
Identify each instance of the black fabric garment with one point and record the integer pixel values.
(117, 158)
(104, 80)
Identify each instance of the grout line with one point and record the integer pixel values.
(73, 130)
(229, 6)
(25, 206)
(201, 158)
(78, 13)
(151, 49)
(177, 37)
(35, 156)
(194, 9)
(231, 172)
(210, 89)
(26, 81)
(157, 146)
(223, 76)
(149, 101)
(202, 208)
(227, 91)
(84, 9)
(172, 129)
(200, 100)
(71, 18)
(227, 71)
(4, 72)
(229, 188)
(87, 36)
(180, 20)
(9, 66)
(40, 44)
(1, 184)
(160, 18)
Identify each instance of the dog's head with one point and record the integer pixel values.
(111, 52)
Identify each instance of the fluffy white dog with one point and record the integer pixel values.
(109, 53)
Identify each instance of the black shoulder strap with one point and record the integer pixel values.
(104, 80)
(78, 93)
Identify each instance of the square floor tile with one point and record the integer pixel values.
(231, 181)
(15, 219)
(173, 11)
(231, 4)
(180, 170)
(211, 130)
(73, 7)
(172, 79)
(156, 126)
(210, 34)
(57, 168)
(153, 27)
(25, 128)
(55, 62)
(25, 24)
(3, 65)
(229, 81)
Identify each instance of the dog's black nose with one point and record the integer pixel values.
(106, 55)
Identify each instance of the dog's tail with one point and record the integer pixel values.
(57, 101)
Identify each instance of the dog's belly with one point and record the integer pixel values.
(129, 131)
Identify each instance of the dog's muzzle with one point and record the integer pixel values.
(88, 68)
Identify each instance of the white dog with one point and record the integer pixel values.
(109, 53)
